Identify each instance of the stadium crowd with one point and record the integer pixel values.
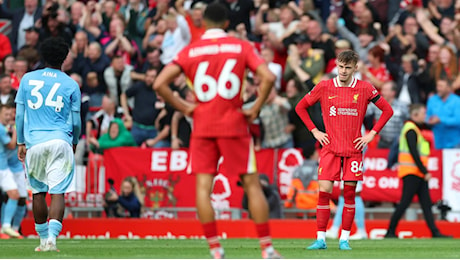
(409, 51)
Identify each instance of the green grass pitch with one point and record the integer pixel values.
(234, 248)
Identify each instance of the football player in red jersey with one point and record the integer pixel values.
(344, 101)
(216, 65)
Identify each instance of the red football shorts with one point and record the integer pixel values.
(337, 168)
(238, 153)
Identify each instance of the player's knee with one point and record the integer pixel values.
(13, 194)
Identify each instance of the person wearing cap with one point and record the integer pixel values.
(302, 56)
(32, 35)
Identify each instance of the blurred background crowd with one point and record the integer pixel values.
(409, 50)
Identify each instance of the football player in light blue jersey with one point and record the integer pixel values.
(17, 168)
(7, 182)
(48, 125)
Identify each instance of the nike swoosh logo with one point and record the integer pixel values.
(331, 97)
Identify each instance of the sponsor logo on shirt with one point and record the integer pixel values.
(333, 111)
(332, 97)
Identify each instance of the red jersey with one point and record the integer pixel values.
(343, 111)
(215, 66)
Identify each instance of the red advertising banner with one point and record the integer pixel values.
(382, 184)
(163, 175)
(102, 228)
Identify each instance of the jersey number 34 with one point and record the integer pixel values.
(207, 87)
(38, 84)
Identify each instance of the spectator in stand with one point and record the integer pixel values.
(275, 120)
(443, 114)
(239, 11)
(413, 161)
(21, 19)
(96, 61)
(135, 14)
(407, 80)
(145, 108)
(92, 21)
(390, 132)
(268, 55)
(99, 123)
(8, 64)
(117, 136)
(32, 57)
(340, 45)
(426, 81)
(163, 126)
(319, 40)
(118, 44)
(95, 91)
(302, 137)
(53, 27)
(7, 93)
(128, 203)
(181, 125)
(20, 68)
(446, 66)
(152, 60)
(407, 39)
(118, 79)
(310, 61)
(155, 34)
(275, 30)
(177, 36)
(77, 10)
(80, 46)
(32, 35)
(303, 191)
(275, 209)
(109, 8)
(5, 46)
(194, 18)
(375, 72)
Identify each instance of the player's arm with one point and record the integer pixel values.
(161, 86)
(20, 108)
(267, 80)
(387, 112)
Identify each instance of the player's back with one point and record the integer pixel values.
(216, 66)
(344, 108)
(48, 96)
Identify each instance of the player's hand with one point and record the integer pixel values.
(22, 152)
(321, 137)
(189, 110)
(251, 114)
(428, 176)
(361, 142)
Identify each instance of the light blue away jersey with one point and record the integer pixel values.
(13, 161)
(49, 96)
(4, 139)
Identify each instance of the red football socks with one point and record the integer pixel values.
(323, 210)
(263, 231)
(348, 214)
(210, 232)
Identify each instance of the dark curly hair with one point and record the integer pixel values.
(54, 51)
